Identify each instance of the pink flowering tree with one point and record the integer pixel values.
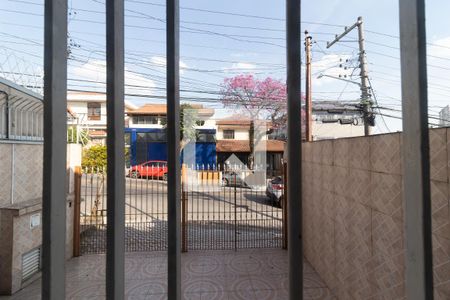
(258, 98)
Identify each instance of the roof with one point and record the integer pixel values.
(243, 146)
(240, 121)
(234, 122)
(149, 109)
(161, 109)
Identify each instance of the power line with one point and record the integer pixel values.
(395, 57)
(400, 118)
(152, 41)
(239, 38)
(233, 14)
(182, 21)
(376, 102)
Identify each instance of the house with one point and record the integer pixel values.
(233, 136)
(334, 119)
(444, 116)
(89, 113)
(330, 120)
(145, 135)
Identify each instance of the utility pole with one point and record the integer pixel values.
(366, 101)
(308, 107)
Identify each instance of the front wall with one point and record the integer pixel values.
(27, 172)
(20, 172)
(25, 239)
(353, 214)
(5, 174)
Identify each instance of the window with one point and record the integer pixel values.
(228, 134)
(94, 111)
(145, 120)
(206, 137)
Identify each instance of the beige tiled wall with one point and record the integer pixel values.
(5, 173)
(20, 182)
(20, 172)
(353, 214)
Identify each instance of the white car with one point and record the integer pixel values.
(275, 190)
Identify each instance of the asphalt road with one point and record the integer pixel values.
(217, 216)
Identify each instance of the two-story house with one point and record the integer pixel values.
(233, 138)
(88, 110)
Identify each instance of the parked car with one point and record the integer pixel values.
(275, 190)
(153, 169)
(232, 178)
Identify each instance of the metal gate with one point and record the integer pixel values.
(222, 208)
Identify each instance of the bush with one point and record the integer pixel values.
(96, 157)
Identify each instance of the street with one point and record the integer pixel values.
(217, 217)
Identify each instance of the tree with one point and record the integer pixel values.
(188, 122)
(259, 98)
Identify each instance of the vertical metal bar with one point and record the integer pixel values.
(183, 208)
(173, 142)
(235, 212)
(54, 173)
(284, 205)
(295, 242)
(115, 141)
(416, 160)
(184, 216)
(76, 212)
(203, 233)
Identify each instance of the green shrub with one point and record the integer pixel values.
(96, 157)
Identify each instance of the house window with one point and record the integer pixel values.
(145, 120)
(228, 134)
(94, 111)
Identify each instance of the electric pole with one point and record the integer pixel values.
(308, 101)
(366, 101)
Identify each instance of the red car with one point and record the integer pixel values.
(151, 169)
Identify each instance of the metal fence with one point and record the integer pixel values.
(21, 113)
(222, 208)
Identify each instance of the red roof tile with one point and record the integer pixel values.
(243, 146)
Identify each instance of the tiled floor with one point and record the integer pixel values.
(246, 274)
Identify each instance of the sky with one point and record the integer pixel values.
(221, 39)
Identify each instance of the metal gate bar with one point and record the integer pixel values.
(115, 256)
(54, 173)
(294, 149)
(416, 157)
